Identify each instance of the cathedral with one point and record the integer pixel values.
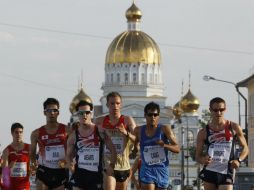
(133, 67)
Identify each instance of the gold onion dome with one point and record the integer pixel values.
(80, 96)
(133, 13)
(189, 103)
(177, 110)
(133, 46)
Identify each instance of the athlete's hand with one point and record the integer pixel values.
(61, 163)
(11, 164)
(234, 164)
(110, 170)
(160, 142)
(71, 167)
(207, 160)
(33, 168)
(122, 129)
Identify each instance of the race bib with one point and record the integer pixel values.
(154, 154)
(54, 153)
(89, 158)
(220, 154)
(118, 143)
(19, 169)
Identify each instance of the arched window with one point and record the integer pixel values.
(112, 78)
(126, 79)
(190, 137)
(143, 78)
(135, 78)
(151, 78)
(118, 78)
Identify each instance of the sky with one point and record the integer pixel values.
(45, 45)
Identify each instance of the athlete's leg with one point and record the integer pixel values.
(109, 182)
(122, 185)
(76, 188)
(40, 185)
(226, 187)
(60, 188)
(210, 186)
(147, 186)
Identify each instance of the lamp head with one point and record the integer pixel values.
(207, 78)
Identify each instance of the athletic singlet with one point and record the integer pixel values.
(52, 147)
(121, 143)
(153, 154)
(220, 147)
(19, 173)
(89, 151)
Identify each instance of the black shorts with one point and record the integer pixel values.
(216, 178)
(87, 180)
(52, 177)
(121, 176)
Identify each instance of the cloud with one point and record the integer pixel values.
(6, 37)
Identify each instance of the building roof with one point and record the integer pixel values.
(246, 82)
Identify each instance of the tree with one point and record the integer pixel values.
(205, 117)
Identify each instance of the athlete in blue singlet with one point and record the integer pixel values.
(154, 141)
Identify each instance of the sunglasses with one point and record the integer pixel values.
(218, 110)
(51, 110)
(81, 113)
(152, 114)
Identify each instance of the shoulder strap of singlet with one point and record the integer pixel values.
(207, 134)
(101, 148)
(233, 150)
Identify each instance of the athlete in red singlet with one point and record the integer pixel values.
(16, 159)
(120, 129)
(51, 139)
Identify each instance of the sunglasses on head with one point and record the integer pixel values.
(218, 110)
(51, 110)
(84, 112)
(152, 114)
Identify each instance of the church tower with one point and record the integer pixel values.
(133, 66)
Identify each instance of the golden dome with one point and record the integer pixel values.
(80, 96)
(133, 13)
(189, 103)
(177, 110)
(133, 47)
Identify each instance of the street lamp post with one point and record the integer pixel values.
(207, 78)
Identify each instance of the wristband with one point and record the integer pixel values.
(127, 134)
(239, 160)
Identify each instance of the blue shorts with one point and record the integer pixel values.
(158, 175)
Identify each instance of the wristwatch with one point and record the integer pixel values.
(239, 160)
(127, 134)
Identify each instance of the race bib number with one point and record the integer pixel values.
(118, 143)
(89, 158)
(54, 153)
(220, 154)
(154, 154)
(19, 170)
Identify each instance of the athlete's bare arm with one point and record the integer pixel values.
(5, 155)
(200, 156)
(113, 154)
(70, 151)
(242, 143)
(34, 140)
(173, 146)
